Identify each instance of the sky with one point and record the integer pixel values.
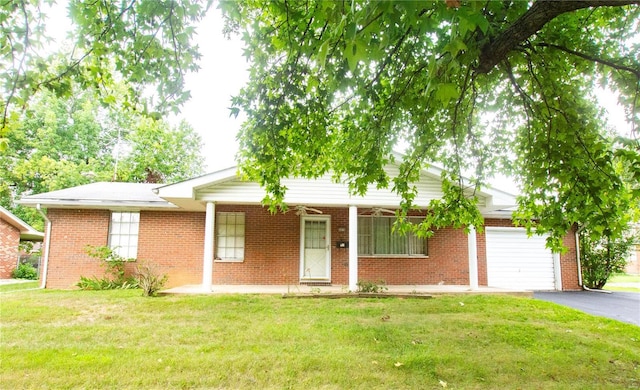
(223, 73)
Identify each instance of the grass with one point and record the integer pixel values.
(118, 339)
(614, 283)
(19, 286)
(624, 278)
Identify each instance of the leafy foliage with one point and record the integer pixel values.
(146, 42)
(365, 286)
(602, 257)
(480, 87)
(96, 284)
(61, 143)
(25, 271)
(115, 273)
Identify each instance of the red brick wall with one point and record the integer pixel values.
(71, 231)
(569, 263)
(272, 254)
(174, 241)
(447, 262)
(633, 264)
(272, 248)
(9, 241)
(171, 240)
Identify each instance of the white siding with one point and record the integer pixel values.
(321, 192)
(517, 261)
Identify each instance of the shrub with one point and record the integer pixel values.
(114, 265)
(602, 257)
(371, 287)
(95, 283)
(25, 271)
(149, 280)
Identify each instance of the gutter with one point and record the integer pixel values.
(47, 243)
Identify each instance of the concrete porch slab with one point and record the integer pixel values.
(336, 289)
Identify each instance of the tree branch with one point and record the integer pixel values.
(589, 57)
(532, 21)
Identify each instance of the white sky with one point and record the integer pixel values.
(223, 72)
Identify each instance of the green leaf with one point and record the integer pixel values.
(445, 92)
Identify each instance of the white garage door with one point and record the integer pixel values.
(517, 261)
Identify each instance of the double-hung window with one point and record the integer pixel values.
(123, 233)
(230, 236)
(377, 238)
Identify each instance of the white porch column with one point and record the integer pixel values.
(473, 258)
(209, 237)
(353, 248)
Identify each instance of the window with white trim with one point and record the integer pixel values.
(377, 238)
(123, 233)
(230, 236)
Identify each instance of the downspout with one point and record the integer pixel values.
(577, 234)
(47, 243)
(580, 265)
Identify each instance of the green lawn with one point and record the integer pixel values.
(118, 339)
(623, 282)
(19, 286)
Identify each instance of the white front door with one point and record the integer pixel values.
(315, 248)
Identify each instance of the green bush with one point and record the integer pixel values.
(371, 287)
(601, 258)
(95, 283)
(25, 271)
(114, 265)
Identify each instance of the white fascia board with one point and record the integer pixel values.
(27, 232)
(498, 214)
(95, 204)
(186, 189)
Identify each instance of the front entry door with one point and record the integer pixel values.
(315, 248)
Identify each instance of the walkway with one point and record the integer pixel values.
(15, 281)
(303, 289)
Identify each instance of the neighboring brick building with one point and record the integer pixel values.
(633, 264)
(213, 230)
(12, 231)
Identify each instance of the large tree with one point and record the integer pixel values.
(63, 142)
(148, 43)
(478, 86)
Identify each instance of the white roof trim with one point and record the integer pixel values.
(184, 194)
(101, 195)
(27, 232)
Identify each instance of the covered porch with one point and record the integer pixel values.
(318, 241)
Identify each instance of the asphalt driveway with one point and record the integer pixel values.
(621, 306)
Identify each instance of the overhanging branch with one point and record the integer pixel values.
(532, 21)
(589, 57)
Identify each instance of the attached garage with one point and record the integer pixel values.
(517, 261)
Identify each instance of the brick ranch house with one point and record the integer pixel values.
(213, 230)
(13, 230)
